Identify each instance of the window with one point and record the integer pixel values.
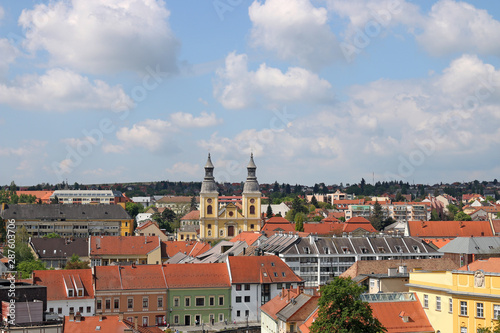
(279, 286)
(176, 319)
(59, 310)
(144, 321)
(252, 226)
(252, 209)
(117, 303)
(426, 301)
(221, 317)
(187, 301)
(51, 310)
(209, 209)
(160, 302)
(108, 304)
(480, 310)
(275, 274)
(438, 303)
(238, 299)
(463, 308)
(238, 313)
(247, 313)
(71, 309)
(89, 309)
(211, 301)
(463, 329)
(221, 300)
(209, 226)
(283, 274)
(130, 303)
(450, 305)
(80, 293)
(145, 302)
(247, 299)
(247, 287)
(238, 287)
(176, 301)
(70, 293)
(200, 301)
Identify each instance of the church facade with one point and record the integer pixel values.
(227, 220)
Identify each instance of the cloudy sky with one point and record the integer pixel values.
(330, 91)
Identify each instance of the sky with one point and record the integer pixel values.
(329, 91)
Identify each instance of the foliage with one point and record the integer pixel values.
(193, 205)
(166, 220)
(52, 235)
(434, 215)
(28, 266)
(269, 212)
(377, 216)
(341, 310)
(317, 218)
(494, 329)
(452, 210)
(133, 209)
(314, 202)
(461, 216)
(342, 219)
(76, 263)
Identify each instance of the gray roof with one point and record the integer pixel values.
(47, 248)
(56, 212)
(292, 307)
(472, 245)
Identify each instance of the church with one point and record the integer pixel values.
(226, 220)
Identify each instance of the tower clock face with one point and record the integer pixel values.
(252, 200)
(209, 200)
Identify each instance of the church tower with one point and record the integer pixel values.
(209, 203)
(251, 199)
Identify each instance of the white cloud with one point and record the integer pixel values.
(148, 134)
(25, 150)
(62, 90)
(2, 12)
(459, 27)
(238, 88)
(181, 169)
(183, 119)
(9, 54)
(295, 30)
(111, 148)
(103, 36)
(77, 142)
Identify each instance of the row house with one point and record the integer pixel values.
(318, 259)
(56, 252)
(179, 204)
(84, 197)
(399, 211)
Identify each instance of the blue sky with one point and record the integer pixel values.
(320, 91)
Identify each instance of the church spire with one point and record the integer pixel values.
(251, 184)
(208, 185)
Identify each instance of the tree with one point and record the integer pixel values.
(133, 209)
(269, 212)
(193, 205)
(452, 210)
(314, 202)
(76, 263)
(495, 328)
(377, 216)
(434, 215)
(299, 221)
(13, 187)
(461, 216)
(341, 310)
(28, 266)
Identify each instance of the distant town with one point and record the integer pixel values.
(203, 256)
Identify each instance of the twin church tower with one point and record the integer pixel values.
(220, 218)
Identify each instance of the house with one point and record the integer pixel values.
(251, 238)
(465, 250)
(143, 217)
(287, 311)
(68, 291)
(255, 280)
(179, 204)
(448, 229)
(144, 201)
(108, 250)
(318, 259)
(189, 226)
(461, 300)
(83, 197)
(136, 291)
(150, 228)
(70, 220)
(189, 248)
(277, 224)
(280, 209)
(41, 196)
(198, 293)
(56, 252)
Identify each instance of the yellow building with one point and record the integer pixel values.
(460, 301)
(227, 220)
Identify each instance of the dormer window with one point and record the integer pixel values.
(70, 292)
(381, 250)
(80, 292)
(345, 250)
(398, 248)
(306, 250)
(416, 249)
(326, 250)
(364, 250)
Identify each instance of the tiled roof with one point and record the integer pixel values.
(64, 211)
(324, 228)
(249, 237)
(192, 215)
(123, 245)
(47, 248)
(304, 328)
(275, 305)
(438, 242)
(177, 199)
(185, 276)
(42, 195)
(277, 220)
(358, 222)
(145, 225)
(381, 266)
(391, 317)
(191, 248)
(449, 229)
(54, 280)
(491, 265)
(129, 277)
(260, 269)
(108, 324)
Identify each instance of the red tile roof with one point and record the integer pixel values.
(261, 269)
(496, 226)
(185, 276)
(390, 316)
(438, 242)
(275, 305)
(304, 328)
(192, 215)
(123, 245)
(449, 229)
(249, 237)
(129, 277)
(109, 324)
(325, 228)
(54, 280)
(191, 248)
(44, 196)
(356, 223)
(491, 265)
(145, 225)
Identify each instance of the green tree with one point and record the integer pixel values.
(495, 327)
(377, 216)
(76, 263)
(13, 187)
(434, 215)
(52, 235)
(28, 266)
(269, 212)
(133, 209)
(452, 210)
(314, 202)
(193, 205)
(461, 216)
(299, 221)
(342, 311)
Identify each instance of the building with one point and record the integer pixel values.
(280, 209)
(465, 250)
(41, 196)
(189, 226)
(136, 291)
(70, 220)
(56, 252)
(226, 220)
(462, 300)
(68, 291)
(150, 228)
(83, 197)
(255, 280)
(179, 204)
(448, 229)
(198, 293)
(112, 250)
(114, 323)
(319, 259)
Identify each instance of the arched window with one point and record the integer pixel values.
(222, 232)
(209, 233)
(252, 209)
(209, 209)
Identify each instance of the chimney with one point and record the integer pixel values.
(71, 316)
(120, 316)
(392, 271)
(136, 324)
(78, 317)
(100, 316)
(403, 269)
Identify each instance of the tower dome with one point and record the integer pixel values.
(251, 184)
(208, 185)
